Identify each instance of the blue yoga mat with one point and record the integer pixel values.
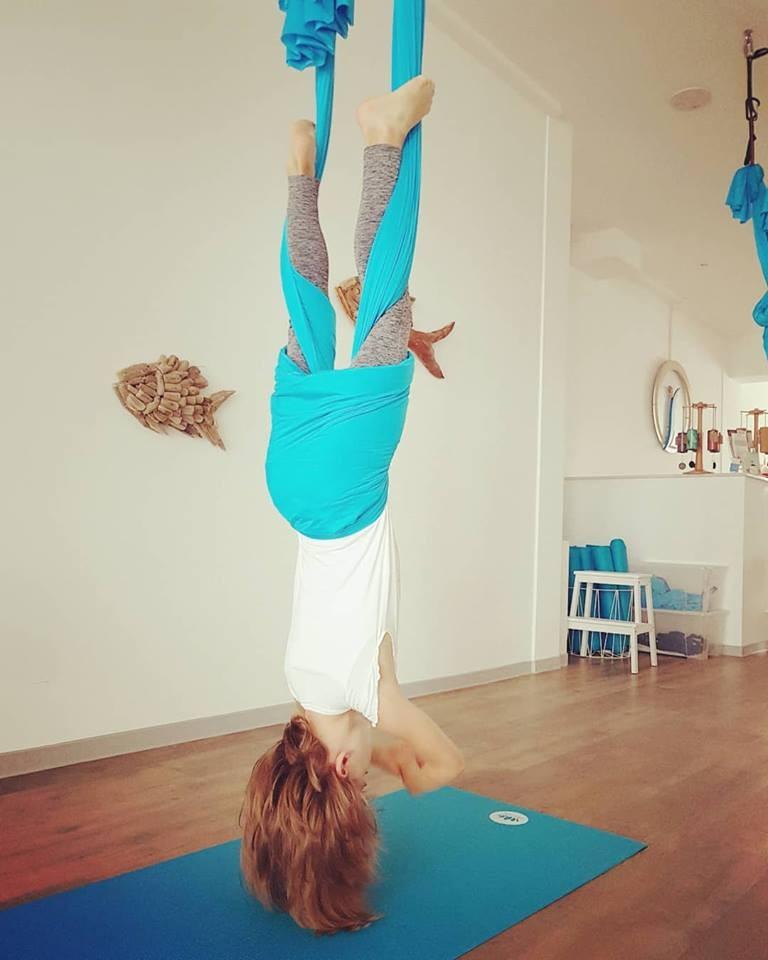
(451, 879)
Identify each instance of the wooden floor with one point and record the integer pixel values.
(677, 757)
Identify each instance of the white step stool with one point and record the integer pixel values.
(608, 581)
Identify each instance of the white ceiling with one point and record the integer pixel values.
(658, 174)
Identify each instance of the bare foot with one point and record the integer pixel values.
(301, 158)
(388, 119)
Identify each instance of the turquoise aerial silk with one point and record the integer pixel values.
(335, 431)
(748, 200)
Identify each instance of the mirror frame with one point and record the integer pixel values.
(670, 366)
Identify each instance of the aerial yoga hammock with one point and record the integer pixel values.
(309, 834)
(335, 431)
(748, 195)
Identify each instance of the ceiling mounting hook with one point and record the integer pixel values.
(752, 103)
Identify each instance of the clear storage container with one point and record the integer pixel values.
(698, 588)
(706, 581)
(686, 633)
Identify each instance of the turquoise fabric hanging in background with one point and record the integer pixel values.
(748, 200)
(335, 432)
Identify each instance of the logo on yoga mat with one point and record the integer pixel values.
(508, 818)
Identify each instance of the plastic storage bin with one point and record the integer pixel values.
(706, 581)
(681, 633)
(689, 632)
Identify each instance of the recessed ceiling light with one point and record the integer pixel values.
(691, 98)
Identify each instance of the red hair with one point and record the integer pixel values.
(309, 836)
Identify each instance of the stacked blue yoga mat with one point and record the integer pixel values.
(451, 878)
(610, 602)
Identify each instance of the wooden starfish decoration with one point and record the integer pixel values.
(421, 343)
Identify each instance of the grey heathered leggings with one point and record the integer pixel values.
(387, 343)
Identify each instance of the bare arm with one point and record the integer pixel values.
(423, 756)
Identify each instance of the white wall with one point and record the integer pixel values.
(753, 395)
(619, 333)
(147, 580)
(755, 606)
(745, 357)
(547, 641)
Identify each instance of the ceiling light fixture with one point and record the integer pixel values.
(691, 98)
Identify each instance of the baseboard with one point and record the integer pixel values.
(18, 762)
(131, 741)
(478, 678)
(730, 650)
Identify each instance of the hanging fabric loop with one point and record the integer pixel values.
(748, 195)
(391, 259)
(335, 431)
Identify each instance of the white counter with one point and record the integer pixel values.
(719, 519)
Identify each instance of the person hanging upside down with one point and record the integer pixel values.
(309, 834)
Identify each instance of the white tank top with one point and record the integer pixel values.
(345, 602)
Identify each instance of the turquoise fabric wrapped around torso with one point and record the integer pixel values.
(334, 434)
(335, 431)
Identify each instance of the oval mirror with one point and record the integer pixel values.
(671, 404)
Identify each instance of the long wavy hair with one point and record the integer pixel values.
(309, 836)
